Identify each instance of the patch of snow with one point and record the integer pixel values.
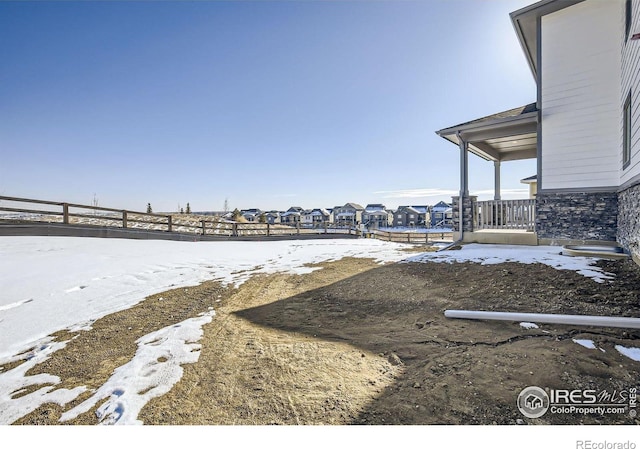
(632, 353)
(13, 305)
(493, 254)
(14, 382)
(589, 344)
(82, 326)
(152, 372)
(527, 325)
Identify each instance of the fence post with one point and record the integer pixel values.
(324, 224)
(268, 229)
(65, 213)
(204, 227)
(408, 237)
(234, 232)
(169, 223)
(297, 227)
(124, 219)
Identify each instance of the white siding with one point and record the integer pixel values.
(631, 81)
(581, 113)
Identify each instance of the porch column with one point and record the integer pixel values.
(464, 183)
(496, 178)
(464, 166)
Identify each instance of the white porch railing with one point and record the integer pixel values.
(505, 214)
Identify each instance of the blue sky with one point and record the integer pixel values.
(268, 104)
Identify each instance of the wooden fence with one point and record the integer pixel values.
(413, 237)
(29, 211)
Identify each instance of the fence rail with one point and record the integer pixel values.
(505, 214)
(413, 237)
(15, 210)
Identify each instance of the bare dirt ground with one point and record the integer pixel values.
(361, 343)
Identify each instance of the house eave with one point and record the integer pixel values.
(524, 23)
(468, 130)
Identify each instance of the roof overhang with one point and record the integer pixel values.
(498, 138)
(525, 23)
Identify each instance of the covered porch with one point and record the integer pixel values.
(506, 136)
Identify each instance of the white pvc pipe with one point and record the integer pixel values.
(579, 320)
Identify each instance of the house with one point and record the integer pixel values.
(441, 215)
(424, 215)
(292, 216)
(251, 215)
(410, 216)
(272, 217)
(348, 215)
(532, 182)
(582, 131)
(376, 216)
(315, 218)
(404, 216)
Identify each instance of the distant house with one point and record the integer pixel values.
(441, 215)
(583, 131)
(376, 216)
(305, 218)
(292, 216)
(272, 217)
(532, 182)
(251, 215)
(348, 215)
(424, 215)
(320, 216)
(315, 218)
(410, 216)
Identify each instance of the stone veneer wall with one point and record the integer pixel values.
(577, 215)
(468, 205)
(629, 220)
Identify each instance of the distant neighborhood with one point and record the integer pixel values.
(372, 216)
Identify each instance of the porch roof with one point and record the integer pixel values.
(530, 179)
(506, 136)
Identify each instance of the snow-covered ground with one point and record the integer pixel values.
(53, 283)
(493, 254)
